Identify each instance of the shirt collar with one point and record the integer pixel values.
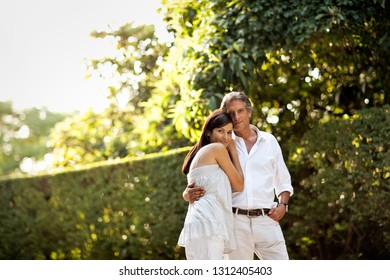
(260, 135)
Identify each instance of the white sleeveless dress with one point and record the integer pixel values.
(212, 213)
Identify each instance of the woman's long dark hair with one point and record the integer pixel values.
(216, 119)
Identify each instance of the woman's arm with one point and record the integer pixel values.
(229, 162)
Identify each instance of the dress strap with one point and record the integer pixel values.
(196, 158)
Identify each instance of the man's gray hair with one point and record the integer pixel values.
(236, 95)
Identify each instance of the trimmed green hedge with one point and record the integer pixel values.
(340, 209)
(131, 209)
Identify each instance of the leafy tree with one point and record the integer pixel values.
(23, 136)
(300, 61)
(120, 130)
(133, 68)
(91, 137)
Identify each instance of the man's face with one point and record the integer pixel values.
(241, 116)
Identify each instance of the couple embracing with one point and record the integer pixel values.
(234, 173)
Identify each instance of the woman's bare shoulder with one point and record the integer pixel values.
(208, 154)
(215, 147)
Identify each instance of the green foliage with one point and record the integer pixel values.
(26, 221)
(23, 135)
(301, 62)
(342, 182)
(126, 127)
(131, 209)
(91, 137)
(132, 69)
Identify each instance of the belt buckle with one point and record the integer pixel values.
(259, 212)
(256, 212)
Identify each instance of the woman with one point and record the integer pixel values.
(212, 163)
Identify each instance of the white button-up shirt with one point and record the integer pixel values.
(265, 173)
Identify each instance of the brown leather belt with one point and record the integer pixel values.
(251, 213)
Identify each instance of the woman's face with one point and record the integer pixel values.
(222, 134)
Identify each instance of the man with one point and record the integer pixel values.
(256, 214)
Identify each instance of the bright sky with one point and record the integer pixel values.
(43, 44)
